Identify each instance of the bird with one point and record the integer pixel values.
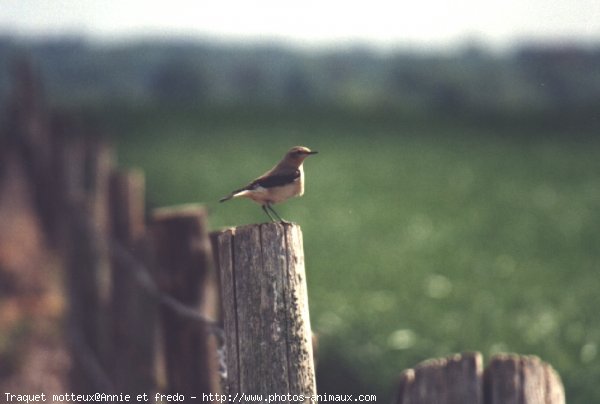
(284, 181)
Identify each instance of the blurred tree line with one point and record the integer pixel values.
(527, 78)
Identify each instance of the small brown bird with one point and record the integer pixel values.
(284, 181)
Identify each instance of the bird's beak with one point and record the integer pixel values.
(313, 152)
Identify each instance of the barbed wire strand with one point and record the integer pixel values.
(117, 250)
(144, 279)
(89, 361)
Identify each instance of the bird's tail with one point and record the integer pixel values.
(234, 194)
(226, 198)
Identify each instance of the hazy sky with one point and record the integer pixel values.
(420, 22)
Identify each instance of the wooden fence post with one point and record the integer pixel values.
(265, 310)
(456, 379)
(28, 129)
(67, 167)
(87, 168)
(514, 379)
(134, 310)
(183, 255)
(99, 166)
(509, 379)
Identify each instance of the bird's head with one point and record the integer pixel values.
(297, 154)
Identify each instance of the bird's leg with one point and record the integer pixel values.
(276, 214)
(264, 207)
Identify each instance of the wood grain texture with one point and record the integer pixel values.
(301, 369)
(247, 266)
(265, 310)
(274, 310)
(456, 379)
(466, 366)
(515, 379)
(555, 392)
(508, 379)
(224, 251)
(502, 380)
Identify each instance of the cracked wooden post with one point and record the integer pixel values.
(456, 379)
(508, 379)
(265, 311)
(516, 379)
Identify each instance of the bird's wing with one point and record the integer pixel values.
(267, 181)
(277, 180)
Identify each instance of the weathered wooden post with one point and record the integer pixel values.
(514, 379)
(265, 310)
(456, 379)
(99, 165)
(86, 171)
(134, 310)
(67, 168)
(508, 379)
(183, 256)
(27, 128)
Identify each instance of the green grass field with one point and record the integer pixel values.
(421, 238)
